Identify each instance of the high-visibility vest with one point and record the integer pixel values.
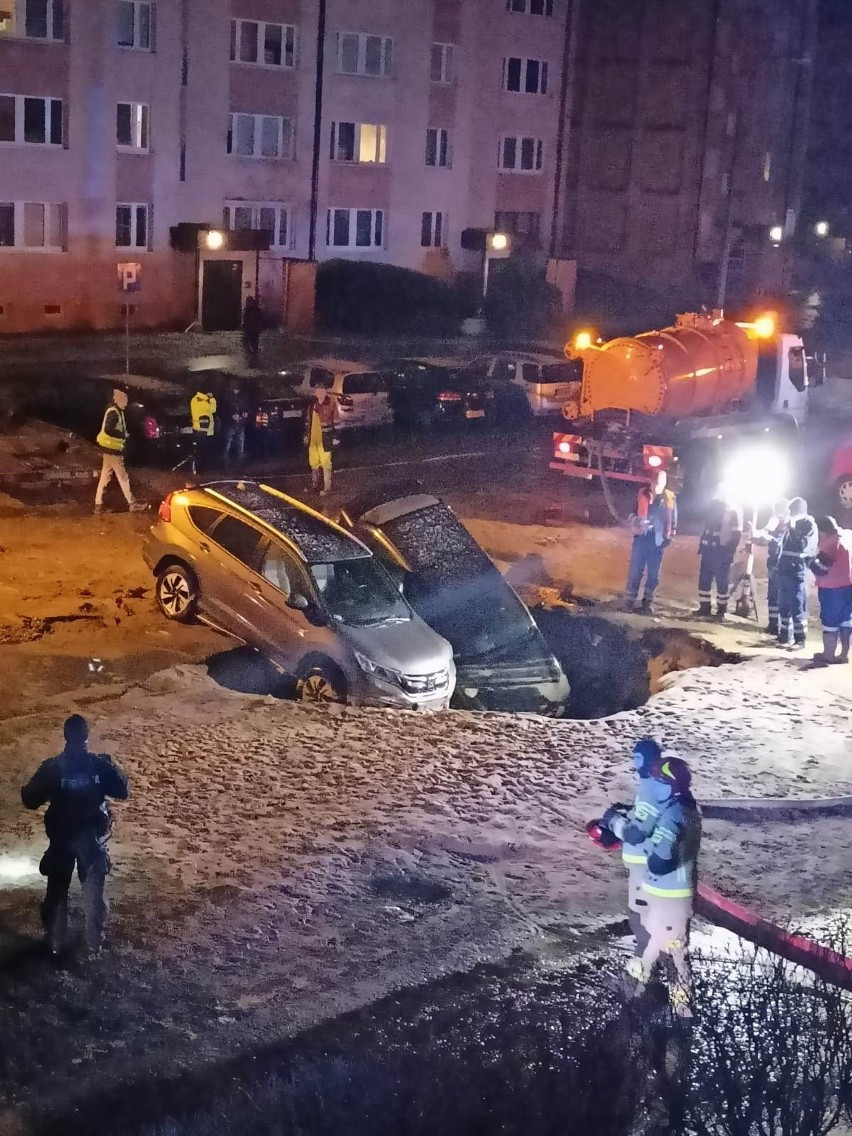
(107, 441)
(202, 407)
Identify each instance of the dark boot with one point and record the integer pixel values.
(703, 609)
(772, 628)
(721, 612)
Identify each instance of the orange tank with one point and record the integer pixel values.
(699, 366)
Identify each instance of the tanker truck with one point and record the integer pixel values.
(680, 399)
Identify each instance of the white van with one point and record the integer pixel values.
(545, 381)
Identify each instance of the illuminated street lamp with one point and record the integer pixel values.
(497, 247)
(821, 228)
(776, 234)
(214, 239)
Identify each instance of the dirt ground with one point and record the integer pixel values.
(278, 864)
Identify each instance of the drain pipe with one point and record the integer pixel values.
(315, 159)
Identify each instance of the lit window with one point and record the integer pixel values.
(132, 126)
(363, 142)
(33, 19)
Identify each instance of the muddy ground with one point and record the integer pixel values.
(276, 865)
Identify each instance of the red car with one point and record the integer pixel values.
(840, 475)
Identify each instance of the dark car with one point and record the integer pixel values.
(502, 660)
(159, 426)
(428, 393)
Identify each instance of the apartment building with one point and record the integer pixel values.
(306, 129)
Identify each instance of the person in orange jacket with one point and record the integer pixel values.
(654, 526)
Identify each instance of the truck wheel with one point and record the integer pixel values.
(843, 492)
(321, 683)
(177, 592)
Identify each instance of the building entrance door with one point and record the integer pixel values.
(222, 295)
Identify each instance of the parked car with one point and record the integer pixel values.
(158, 420)
(532, 384)
(299, 588)
(428, 393)
(361, 391)
(840, 477)
(502, 660)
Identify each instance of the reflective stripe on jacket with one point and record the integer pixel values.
(634, 829)
(202, 408)
(660, 513)
(112, 436)
(673, 850)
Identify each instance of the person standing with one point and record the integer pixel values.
(253, 324)
(771, 536)
(112, 443)
(321, 436)
(632, 826)
(671, 877)
(235, 415)
(202, 409)
(654, 526)
(798, 548)
(717, 547)
(832, 567)
(75, 787)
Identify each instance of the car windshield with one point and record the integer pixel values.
(560, 373)
(359, 593)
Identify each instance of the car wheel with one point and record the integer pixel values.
(843, 492)
(321, 683)
(177, 592)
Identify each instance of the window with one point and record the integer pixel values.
(33, 19)
(265, 45)
(525, 225)
(238, 538)
(268, 216)
(31, 225)
(358, 142)
(260, 136)
(525, 75)
(132, 126)
(131, 226)
(433, 230)
(533, 7)
(135, 25)
(442, 68)
(203, 517)
(276, 568)
(370, 382)
(355, 228)
(35, 121)
(438, 147)
(521, 155)
(361, 54)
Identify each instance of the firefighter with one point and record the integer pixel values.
(633, 825)
(112, 442)
(798, 548)
(771, 535)
(668, 889)
(717, 547)
(202, 409)
(320, 436)
(75, 787)
(654, 526)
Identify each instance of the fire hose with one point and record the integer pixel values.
(720, 910)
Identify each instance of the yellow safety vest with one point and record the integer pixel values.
(106, 441)
(202, 407)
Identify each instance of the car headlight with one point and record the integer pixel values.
(371, 668)
(412, 684)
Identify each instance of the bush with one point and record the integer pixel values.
(357, 297)
(519, 300)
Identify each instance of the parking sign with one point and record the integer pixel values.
(129, 276)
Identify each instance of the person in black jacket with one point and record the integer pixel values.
(75, 787)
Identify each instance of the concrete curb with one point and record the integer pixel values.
(775, 808)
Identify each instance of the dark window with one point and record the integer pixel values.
(340, 235)
(530, 373)
(7, 225)
(509, 153)
(238, 538)
(203, 517)
(36, 22)
(532, 80)
(513, 74)
(796, 367)
(363, 227)
(7, 118)
(344, 150)
(56, 122)
(320, 377)
(35, 127)
(425, 230)
(368, 383)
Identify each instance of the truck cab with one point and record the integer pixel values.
(781, 386)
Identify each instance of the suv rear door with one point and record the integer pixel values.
(364, 400)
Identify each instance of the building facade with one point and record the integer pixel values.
(685, 156)
(337, 128)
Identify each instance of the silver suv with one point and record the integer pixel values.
(302, 590)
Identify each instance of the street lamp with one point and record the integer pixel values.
(497, 247)
(214, 239)
(498, 242)
(776, 234)
(821, 228)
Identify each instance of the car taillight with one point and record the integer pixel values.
(564, 447)
(345, 402)
(261, 419)
(563, 443)
(449, 396)
(150, 427)
(165, 510)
